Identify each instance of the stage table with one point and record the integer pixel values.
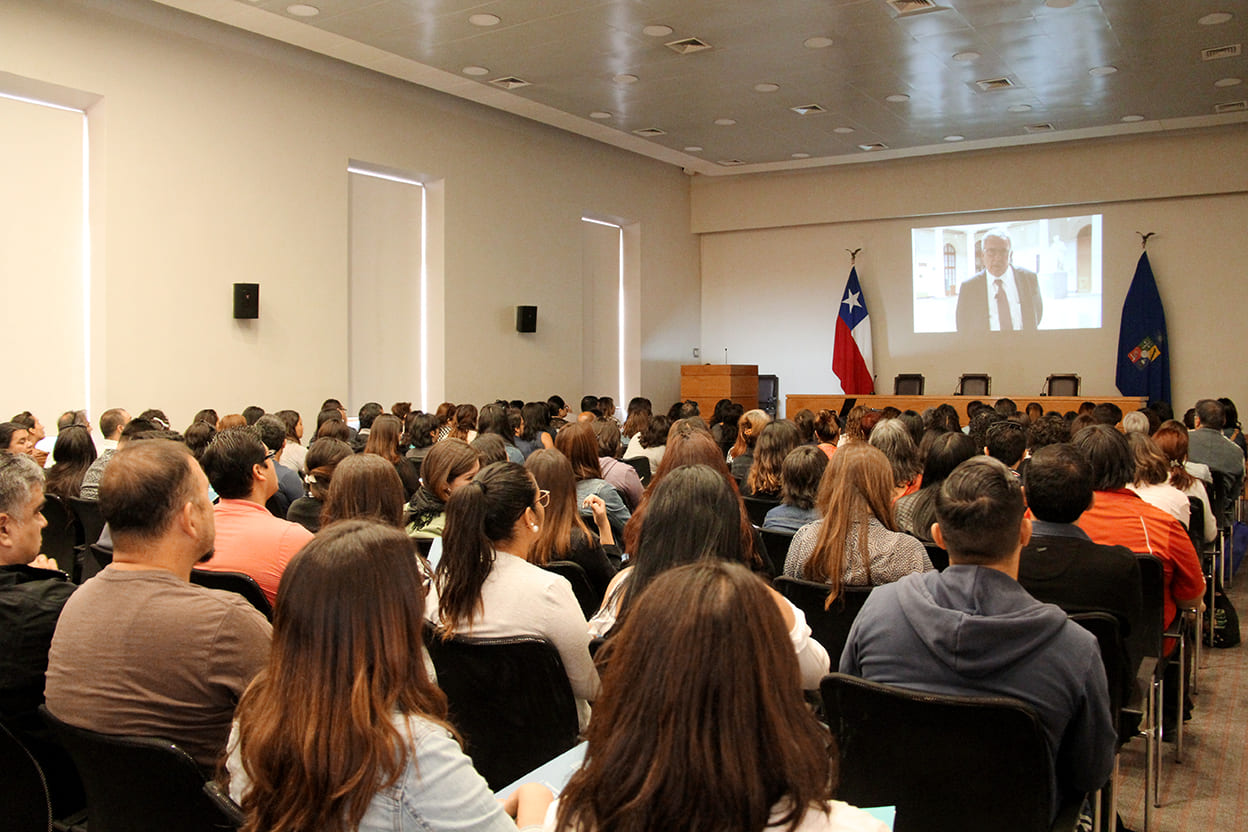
(835, 401)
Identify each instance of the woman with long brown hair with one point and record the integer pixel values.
(775, 442)
(857, 542)
(449, 466)
(365, 487)
(72, 455)
(701, 685)
(1152, 479)
(579, 444)
(485, 586)
(383, 440)
(564, 535)
(1171, 438)
(749, 428)
(342, 730)
(464, 423)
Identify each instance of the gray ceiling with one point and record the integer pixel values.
(571, 50)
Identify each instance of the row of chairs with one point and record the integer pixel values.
(980, 384)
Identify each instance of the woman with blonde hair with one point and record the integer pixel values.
(342, 730)
(749, 429)
(857, 542)
(702, 684)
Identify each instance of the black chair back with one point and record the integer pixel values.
(92, 559)
(510, 699)
(757, 508)
(1196, 525)
(1153, 603)
(908, 384)
(1108, 634)
(974, 384)
(1062, 385)
(89, 518)
(642, 465)
(236, 582)
(777, 545)
(948, 763)
(61, 536)
(23, 791)
(138, 784)
(829, 627)
(581, 588)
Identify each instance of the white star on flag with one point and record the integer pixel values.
(851, 299)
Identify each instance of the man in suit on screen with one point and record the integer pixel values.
(1001, 298)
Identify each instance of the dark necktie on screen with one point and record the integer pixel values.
(1003, 307)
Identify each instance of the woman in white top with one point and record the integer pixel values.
(1152, 479)
(701, 723)
(692, 514)
(1171, 438)
(484, 585)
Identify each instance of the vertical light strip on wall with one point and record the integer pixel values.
(619, 302)
(424, 272)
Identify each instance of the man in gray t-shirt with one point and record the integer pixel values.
(138, 648)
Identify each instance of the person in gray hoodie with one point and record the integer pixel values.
(973, 629)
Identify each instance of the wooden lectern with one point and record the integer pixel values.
(708, 383)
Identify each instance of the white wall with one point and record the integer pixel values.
(219, 156)
(774, 260)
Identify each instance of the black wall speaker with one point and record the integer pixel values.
(246, 300)
(526, 319)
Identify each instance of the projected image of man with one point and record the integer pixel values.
(1002, 297)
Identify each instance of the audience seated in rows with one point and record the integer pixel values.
(138, 649)
(578, 443)
(893, 438)
(620, 475)
(72, 455)
(272, 432)
(749, 429)
(484, 585)
(774, 443)
(322, 460)
(112, 423)
(364, 487)
(915, 513)
(800, 475)
(248, 538)
(383, 440)
(1151, 480)
(973, 629)
(857, 542)
(564, 535)
(651, 442)
(1171, 438)
(450, 465)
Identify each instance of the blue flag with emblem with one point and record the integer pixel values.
(1143, 348)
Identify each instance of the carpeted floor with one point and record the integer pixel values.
(1208, 791)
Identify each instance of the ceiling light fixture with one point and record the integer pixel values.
(657, 31)
(966, 57)
(954, 138)
(766, 87)
(725, 122)
(1101, 71)
(303, 10)
(625, 79)
(1132, 118)
(1019, 108)
(873, 146)
(484, 19)
(807, 109)
(817, 43)
(475, 70)
(800, 155)
(694, 148)
(897, 98)
(1214, 18)
(600, 114)
(843, 130)
(1060, 4)
(1228, 82)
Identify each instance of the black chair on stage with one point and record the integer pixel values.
(139, 784)
(509, 698)
(829, 625)
(236, 582)
(575, 575)
(1062, 385)
(908, 384)
(974, 384)
(948, 763)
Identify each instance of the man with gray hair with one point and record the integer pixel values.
(1002, 297)
(974, 630)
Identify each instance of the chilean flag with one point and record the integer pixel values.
(851, 355)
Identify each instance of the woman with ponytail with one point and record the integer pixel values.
(484, 585)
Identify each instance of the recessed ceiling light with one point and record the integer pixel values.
(475, 70)
(1214, 18)
(1228, 82)
(1098, 71)
(725, 122)
(694, 148)
(874, 146)
(817, 43)
(766, 87)
(1132, 117)
(966, 57)
(484, 19)
(954, 138)
(657, 31)
(1060, 4)
(625, 79)
(800, 155)
(897, 98)
(1019, 108)
(303, 10)
(600, 114)
(842, 129)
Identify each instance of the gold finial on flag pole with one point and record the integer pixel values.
(853, 255)
(1144, 239)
